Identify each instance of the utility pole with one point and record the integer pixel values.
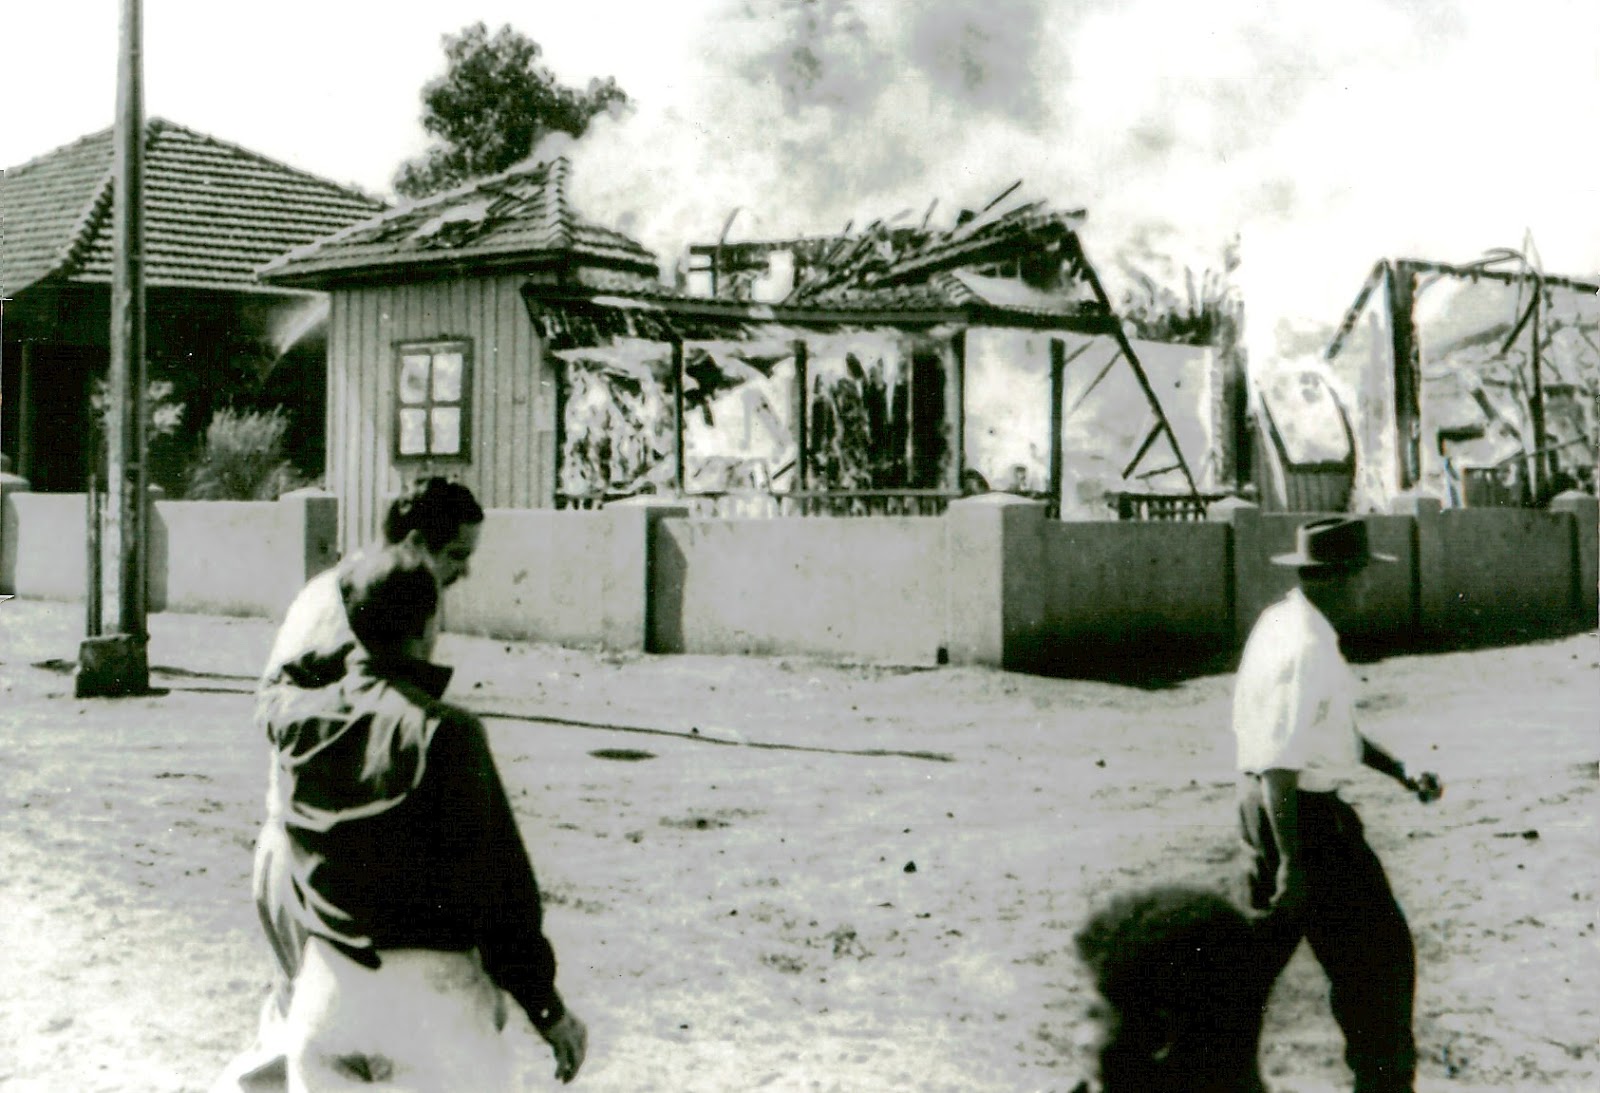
(117, 664)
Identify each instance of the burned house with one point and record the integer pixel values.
(1473, 383)
(496, 335)
(433, 366)
(887, 370)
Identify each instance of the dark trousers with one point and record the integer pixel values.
(1356, 930)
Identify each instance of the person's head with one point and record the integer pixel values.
(441, 519)
(1179, 993)
(391, 597)
(1329, 554)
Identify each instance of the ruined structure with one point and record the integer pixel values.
(887, 369)
(1473, 383)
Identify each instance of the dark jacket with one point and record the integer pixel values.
(396, 831)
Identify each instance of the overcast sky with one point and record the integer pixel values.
(1331, 134)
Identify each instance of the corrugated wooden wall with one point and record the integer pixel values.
(513, 396)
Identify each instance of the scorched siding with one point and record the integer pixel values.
(512, 404)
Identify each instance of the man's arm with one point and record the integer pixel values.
(1280, 790)
(1427, 786)
(516, 953)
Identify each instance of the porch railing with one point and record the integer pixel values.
(765, 503)
(1164, 506)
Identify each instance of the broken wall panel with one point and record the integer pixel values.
(1111, 439)
(1362, 378)
(1479, 388)
(874, 406)
(1007, 409)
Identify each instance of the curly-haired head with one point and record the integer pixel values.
(435, 508)
(1181, 971)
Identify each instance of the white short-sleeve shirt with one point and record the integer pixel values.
(1294, 699)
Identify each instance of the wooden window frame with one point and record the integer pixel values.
(433, 346)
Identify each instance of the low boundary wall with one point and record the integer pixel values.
(991, 582)
(852, 589)
(206, 557)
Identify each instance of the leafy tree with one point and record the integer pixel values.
(491, 108)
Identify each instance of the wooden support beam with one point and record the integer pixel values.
(802, 415)
(679, 469)
(1402, 285)
(1058, 391)
(91, 600)
(1105, 370)
(1537, 475)
(955, 414)
(1126, 346)
(908, 364)
(1348, 323)
(25, 395)
(1150, 437)
(1482, 272)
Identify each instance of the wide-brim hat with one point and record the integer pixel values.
(1336, 542)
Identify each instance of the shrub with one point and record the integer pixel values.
(243, 458)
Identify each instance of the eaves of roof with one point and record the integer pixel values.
(903, 310)
(517, 219)
(213, 211)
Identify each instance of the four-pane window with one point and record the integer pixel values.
(432, 419)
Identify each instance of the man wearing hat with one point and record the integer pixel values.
(1311, 873)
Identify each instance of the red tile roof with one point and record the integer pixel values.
(509, 219)
(214, 212)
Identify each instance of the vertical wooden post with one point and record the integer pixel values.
(25, 411)
(91, 599)
(908, 364)
(127, 333)
(117, 664)
(556, 369)
(1536, 471)
(955, 384)
(1402, 278)
(679, 470)
(802, 415)
(1058, 385)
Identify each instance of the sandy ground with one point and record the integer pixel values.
(820, 878)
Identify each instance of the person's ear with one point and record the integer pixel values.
(415, 540)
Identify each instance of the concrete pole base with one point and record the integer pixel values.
(113, 666)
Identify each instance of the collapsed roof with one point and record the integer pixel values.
(514, 221)
(1021, 267)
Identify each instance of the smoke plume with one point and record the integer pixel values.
(1330, 135)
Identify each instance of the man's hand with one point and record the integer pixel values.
(1289, 895)
(569, 1041)
(1426, 786)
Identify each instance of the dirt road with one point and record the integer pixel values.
(796, 876)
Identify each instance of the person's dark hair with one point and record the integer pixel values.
(1186, 952)
(437, 508)
(389, 596)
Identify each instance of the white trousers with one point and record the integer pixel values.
(424, 1022)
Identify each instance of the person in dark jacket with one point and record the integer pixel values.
(403, 894)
